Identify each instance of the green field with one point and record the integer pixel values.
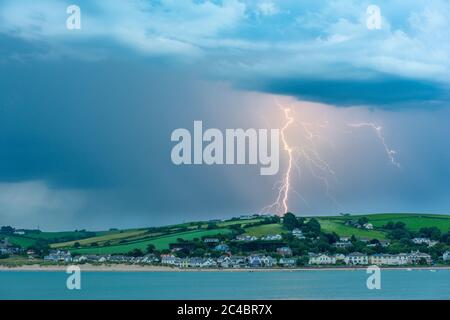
(100, 240)
(347, 231)
(413, 221)
(124, 241)
(19, 241)
(265, 229)
(160, 243)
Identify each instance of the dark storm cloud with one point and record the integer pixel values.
(385, 92)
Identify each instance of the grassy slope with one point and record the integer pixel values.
(414, 221)
(113, 236)
(346, 231)
(265, 229)
(160, 243)
(140, 239)
(19, 241)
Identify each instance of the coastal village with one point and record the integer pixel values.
(304, 245)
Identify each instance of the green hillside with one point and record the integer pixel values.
(124, 241)
(160, 243)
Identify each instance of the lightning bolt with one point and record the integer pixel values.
(379, 132)
(281, 203)
(307, 156)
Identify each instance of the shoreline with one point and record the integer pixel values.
(139, 268)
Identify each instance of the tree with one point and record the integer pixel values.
(211, 225)
(400, 225)
(136, 253)
(77, 244)
(7, 230)
(313, 226)
(432, 232)
(151, 248)
(290, 221)
(363, 220)
(41, 247)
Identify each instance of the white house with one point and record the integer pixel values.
(271, 237)
(446, 256)
(59, 256)
(417, 257)
(298, 234)
(169, 259)
(287, 262)
(368, 226)
(268, 261)
(284, 251)
(342, 244)
(321, 258)
(356, 258)
(426, 241)
(246, 238)
(390, 259)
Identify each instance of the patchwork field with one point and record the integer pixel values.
(160, 243)
(124, 241)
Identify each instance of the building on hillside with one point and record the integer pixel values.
(284, 251)
(222, 247)
(446, 256)
(243, 237)
(271, 237)
(368, 226)
(298, 234)
(426, 241)
(211, 240)
(343, 244)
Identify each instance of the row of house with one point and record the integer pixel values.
(297, 233)
(252, 261)
(65, 256)
(357, 258)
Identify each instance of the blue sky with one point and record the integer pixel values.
(86, 115)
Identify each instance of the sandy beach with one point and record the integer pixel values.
(140, 268)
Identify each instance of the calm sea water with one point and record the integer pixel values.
(396, 284)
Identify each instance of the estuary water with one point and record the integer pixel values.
(335, 284)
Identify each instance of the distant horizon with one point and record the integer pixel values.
(225, 219)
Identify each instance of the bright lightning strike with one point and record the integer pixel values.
(378, 130)
(281, 203)
(307, 156)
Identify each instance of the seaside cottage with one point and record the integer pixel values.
(321, 258)
(356, 258)
(287, 262)
(419, 257)
(389, 259)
